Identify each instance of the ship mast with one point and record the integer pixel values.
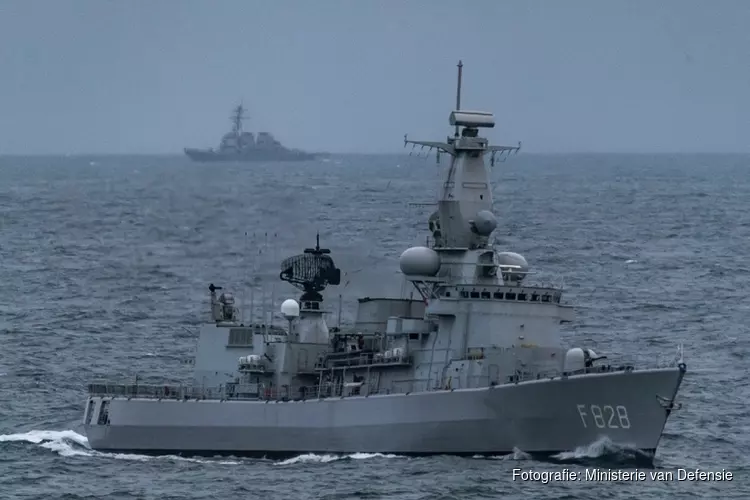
(458, 90)
(464, 219)
(237, 118)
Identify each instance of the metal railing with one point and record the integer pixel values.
(233, 392)
(364, 359)
(239, 391)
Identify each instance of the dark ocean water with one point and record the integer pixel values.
(106, 262)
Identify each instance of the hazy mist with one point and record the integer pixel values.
(93, 76)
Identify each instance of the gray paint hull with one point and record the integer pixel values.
(207, 156)
(536, 417)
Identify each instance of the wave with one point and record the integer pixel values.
(313, 458)
(516, 455)
(69, 443)
(600, 452)
(604, 451)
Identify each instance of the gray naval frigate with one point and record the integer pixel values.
(241, 146)
(473, 366)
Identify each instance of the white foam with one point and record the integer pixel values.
(515, 455)
(71, 444)
(600, 447)
(313, 458)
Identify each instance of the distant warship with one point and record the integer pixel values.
(475, 366)
(238, 145)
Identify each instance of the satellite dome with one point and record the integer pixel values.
(484, 223)
(290, 308)
(421, 261)
(513, 259)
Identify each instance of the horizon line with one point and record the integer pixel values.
(400, 153)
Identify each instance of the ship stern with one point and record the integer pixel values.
(96, 421)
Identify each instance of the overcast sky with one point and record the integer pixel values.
(154, 76)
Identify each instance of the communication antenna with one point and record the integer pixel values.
(252, 302)
(253, 278)
(244, 283)
(458, 90)
(264, 311)
(273, 284)
(339, 322)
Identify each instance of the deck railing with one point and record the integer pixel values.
(233, 391)
(239, 391)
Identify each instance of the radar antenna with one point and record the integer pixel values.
(311, 271)
(471, 121)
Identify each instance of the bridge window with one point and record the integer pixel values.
(545, 298)
(510, 296)
(521, 296)
(535, 297)
(474, 295)
(464, 294)
(240, 337)
(90, 412)
(486, 295)
(498, 295)
(103, 414)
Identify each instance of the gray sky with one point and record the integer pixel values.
(149, 76)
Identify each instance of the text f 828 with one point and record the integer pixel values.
(604, 417)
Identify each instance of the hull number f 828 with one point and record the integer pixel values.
(604, 417)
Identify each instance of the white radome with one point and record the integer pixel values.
(517, 273)
(290, 308)
(419, 261)
(512, 259)
(485, 222)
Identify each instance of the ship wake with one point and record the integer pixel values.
(71, 444)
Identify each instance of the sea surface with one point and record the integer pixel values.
(106, 263)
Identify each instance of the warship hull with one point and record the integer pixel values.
(540, 416)
(257, 155)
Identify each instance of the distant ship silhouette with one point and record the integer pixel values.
(237, 145)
